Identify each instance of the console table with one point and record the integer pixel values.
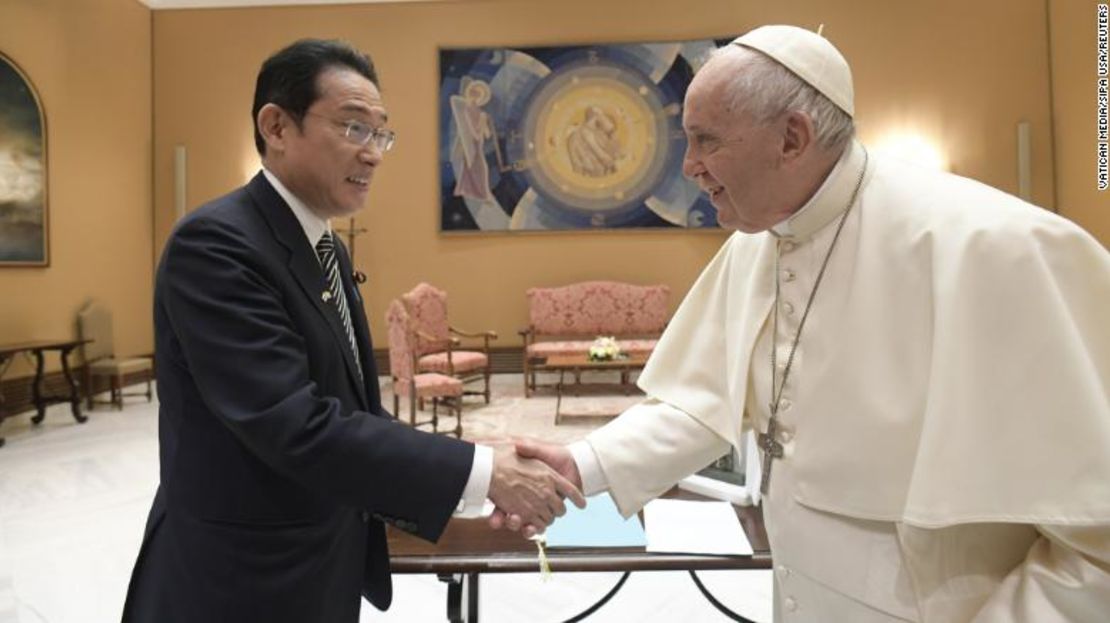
(469, 548)
(40, 399)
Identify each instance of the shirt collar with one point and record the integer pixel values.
(830, 200)
(314, 226)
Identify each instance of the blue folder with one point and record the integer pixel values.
(597, 525)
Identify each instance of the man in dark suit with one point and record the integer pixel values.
(279, 465)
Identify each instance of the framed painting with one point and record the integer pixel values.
(24, 233)
(568, 138)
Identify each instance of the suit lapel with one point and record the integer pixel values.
(305, 267)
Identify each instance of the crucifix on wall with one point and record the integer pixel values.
(352, 232)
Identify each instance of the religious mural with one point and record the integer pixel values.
(568, 138)
(23, 225)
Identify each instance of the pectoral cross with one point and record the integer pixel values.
(772, 449)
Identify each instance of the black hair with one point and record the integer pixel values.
(288, 78)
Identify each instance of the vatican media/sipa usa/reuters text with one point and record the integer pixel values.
(1103, 96)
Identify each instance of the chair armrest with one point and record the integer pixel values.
(485, 335)
(427, 337)
(452, 343)
(527, 336)
(490, 334)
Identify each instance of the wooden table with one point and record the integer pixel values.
(42, 400)
(469, 548)
(578, 363)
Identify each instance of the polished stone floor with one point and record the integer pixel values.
(73, 499)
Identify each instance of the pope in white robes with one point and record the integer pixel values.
(941, 359)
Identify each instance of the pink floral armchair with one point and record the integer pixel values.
(407, 381)
(437, 345)
(567, 319)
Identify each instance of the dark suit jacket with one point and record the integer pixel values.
(278, 464)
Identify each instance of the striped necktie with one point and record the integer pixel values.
(325, 250)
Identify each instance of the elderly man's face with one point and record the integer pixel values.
(734, 160)
(328, 171)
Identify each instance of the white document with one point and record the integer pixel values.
(716, 489)
(753, 469)
(687, 527)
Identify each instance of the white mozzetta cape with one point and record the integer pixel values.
(957, 355)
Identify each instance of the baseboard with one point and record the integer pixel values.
(17, 393)
(503, 359)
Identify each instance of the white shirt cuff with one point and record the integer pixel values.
(593, 479)
(477, 486)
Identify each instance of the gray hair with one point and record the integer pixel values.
(766, 90)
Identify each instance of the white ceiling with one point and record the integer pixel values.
(207, 4)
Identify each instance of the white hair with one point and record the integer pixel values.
(766, 90)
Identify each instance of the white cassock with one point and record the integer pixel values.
(946, 423)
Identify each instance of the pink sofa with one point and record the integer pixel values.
(565, 320)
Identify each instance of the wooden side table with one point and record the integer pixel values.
(41, 399)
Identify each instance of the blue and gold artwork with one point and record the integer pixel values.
(568, 138)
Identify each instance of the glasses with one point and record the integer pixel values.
(361, 133)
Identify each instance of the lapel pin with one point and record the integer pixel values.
(326, 296)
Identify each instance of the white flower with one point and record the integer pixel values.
(604, 348)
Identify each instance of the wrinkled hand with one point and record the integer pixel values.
(529, 490)
(556, 456)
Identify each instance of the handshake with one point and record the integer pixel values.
(529, 483)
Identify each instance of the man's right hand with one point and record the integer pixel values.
(529, 490)
(556, 455)
(559, 458)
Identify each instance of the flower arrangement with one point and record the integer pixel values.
(605, 348)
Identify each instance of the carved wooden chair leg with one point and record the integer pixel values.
(458, 417)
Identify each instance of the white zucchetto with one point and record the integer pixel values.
(809, 56)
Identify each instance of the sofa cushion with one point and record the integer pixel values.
(431, 385)
(570, 347)
(463, 360)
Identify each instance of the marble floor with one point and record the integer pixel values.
(73, 499)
